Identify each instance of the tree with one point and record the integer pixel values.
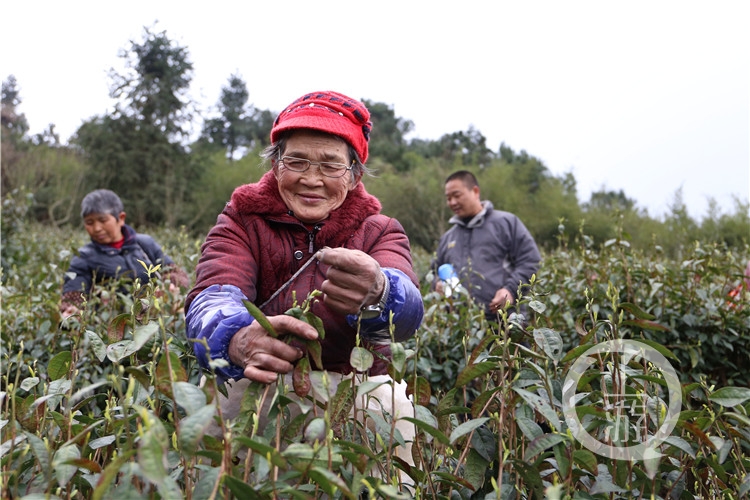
(13, 128)
(153, 90)
(239, 125)
(609, 201)
(13, 123)
(387, 141)
(138, 151)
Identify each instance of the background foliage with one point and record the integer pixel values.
(168, 173)
(108, 404)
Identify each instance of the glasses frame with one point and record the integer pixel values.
(320, 164)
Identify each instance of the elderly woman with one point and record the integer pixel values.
(308, 224)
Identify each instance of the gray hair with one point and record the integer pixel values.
(101, 201)
(275, 151)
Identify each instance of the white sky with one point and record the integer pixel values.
(648, 97)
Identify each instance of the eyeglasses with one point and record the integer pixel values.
(328, 169)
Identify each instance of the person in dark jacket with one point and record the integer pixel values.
(308, 225)
(113, 253)
(491, 251)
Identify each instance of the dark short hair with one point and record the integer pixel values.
(101, 201)
(464, 176)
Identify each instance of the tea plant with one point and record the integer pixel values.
(112, 403)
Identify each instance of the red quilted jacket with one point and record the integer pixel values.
(257, 245)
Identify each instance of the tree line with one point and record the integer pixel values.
(143, 150)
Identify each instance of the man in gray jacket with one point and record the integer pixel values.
(491, 251)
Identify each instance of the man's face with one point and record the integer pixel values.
(104, 229)
(463, 201)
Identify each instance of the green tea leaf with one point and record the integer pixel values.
(730, 396)
(538, 445)
(466, 428)
(550, 341)
(189, 396)
(541, 405)
(59, 365)
(260, 318)
(473, 372)
(432, 431)
(361, 359)
(64, 472)
(193, 427)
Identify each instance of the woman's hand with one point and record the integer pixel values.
(354, 279)
(263, 356)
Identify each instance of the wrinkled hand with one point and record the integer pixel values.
(501, 298)
(263, 356)
(353, 279)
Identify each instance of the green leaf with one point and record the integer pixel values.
(662, 350)
(101, 442)
(39, 448)
(329, 482)
(646, 325)
(189, 396)
(529, 428)
(475, 469)
(398, 359)
(64, 472)
(681, 444)
(432, 431)
(120, 350)
(540, 444)
(561, 457)
(361, 359)
(59, 366)
(550, 341)
(636, 311)
(730, 396)
(241, 489)
(144, 333)
(204, 488)
(576, 352)
(466, 428)
(586, 460)
(744, 487)
(193, 427)
(97, 345)
(29, 383)
(473, 372)
(367, 386)
(152, 449)
(271, 454)
(260, 318)
(110, 473)
(541, 405)
(317, 323)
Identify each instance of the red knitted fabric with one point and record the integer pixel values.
(329, 112)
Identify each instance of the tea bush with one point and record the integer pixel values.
(111, 403)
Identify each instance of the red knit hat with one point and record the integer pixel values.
(329, 112)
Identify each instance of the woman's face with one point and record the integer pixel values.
(311, 195)
(104, 229)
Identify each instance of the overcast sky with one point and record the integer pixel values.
(647, 97)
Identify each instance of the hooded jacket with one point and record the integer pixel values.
(490, 251)
(257, 245)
